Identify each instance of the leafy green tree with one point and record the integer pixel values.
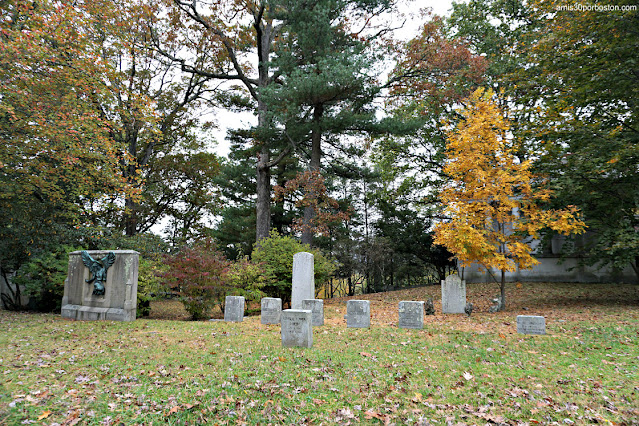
(276, 255)
(248, 279)
(43, 277)
(434, 71)
(56, 155)
(584, 69)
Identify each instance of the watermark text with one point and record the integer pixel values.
(596, 7)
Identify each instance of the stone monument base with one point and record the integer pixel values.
(90, 313)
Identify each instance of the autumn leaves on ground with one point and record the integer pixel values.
(458, 370)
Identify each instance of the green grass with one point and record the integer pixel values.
(475, 370)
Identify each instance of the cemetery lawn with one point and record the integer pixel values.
(457, 370)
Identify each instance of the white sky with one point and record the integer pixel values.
(233, 120)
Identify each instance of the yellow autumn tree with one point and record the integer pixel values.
(490, 201)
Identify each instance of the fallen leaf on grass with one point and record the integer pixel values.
(183, 407)
(44, 415)
(344, 413)
(282, 359)
(72, 419)
(366, 354)
(490, 417)
(373, 415)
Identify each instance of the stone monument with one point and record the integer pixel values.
(317, 307)
(297, 328)
(271, 310)
(303, 279)
(411, 315)
(358, 313)
(531, 324)
(101, 285)
(453, 295)
(234, 309)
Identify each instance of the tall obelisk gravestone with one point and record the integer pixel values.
(303, 279)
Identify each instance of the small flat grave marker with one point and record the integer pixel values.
(297, 328)
(411, 315)
(358, 314)
(234, 309)
(531, 324)
(271, 310)
(317, 307)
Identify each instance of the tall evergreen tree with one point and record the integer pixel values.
(283, 53)
(327, 81)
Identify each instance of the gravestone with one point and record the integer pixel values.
(531, 324)
(317, 307)
(234, 309)
(101, 285)
(411, 315)
(453, 295)
(297, 328)
(358, 313)
(303, 279)
(271, 310)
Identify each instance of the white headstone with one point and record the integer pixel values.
(271, 310)
(358, 313)
(234, 309)
(297, 328)
(453, 295)
(317, 307)
(531, 324)
(411, 315)
(303, 279)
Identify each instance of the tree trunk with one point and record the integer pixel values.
(130, 219)
(502, 304)
(263, 182)
(263, 202)
(130, 214)
(314, 166)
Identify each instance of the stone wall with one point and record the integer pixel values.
(554, 269)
